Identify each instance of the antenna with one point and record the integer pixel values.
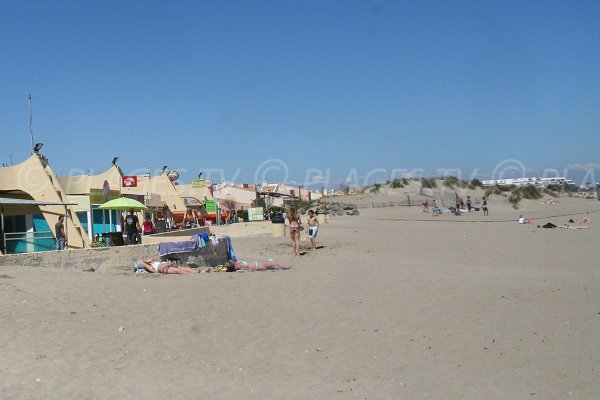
(31, 124)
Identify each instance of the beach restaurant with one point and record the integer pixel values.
(30, 226)
(34, 202)
(88, 192)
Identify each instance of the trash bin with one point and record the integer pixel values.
(278, 224)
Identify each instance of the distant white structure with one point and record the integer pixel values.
(556, 182)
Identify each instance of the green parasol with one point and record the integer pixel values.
(122, 203)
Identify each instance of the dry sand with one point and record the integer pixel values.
(397, 304)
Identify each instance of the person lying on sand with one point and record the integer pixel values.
(569, 226)
(166, 267)
(239, 265)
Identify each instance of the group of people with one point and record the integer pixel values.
(460, 205)
(192, 219)
(133, 228)
(170, 267)
(295, 226)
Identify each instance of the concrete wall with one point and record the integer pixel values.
(100, 259)
(208, 256)
(105, 259)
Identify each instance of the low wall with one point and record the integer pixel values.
(210, 255)
(99, 258)
(103, 259)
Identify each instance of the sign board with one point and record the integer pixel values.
(210, 206)
(129, 181)
(201, 183)
(256, 214)
(97, 195)
(192, 201)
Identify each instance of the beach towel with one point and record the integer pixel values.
(230, 252)
(201, 239)
(202, 235)
(177, 247)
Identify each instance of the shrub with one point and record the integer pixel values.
(451, 181)
(500, 189)
(243, 214)
(428, 183)
(521, 192)
(475, 183)
(514, 200)
(529, 192)
(396, 184)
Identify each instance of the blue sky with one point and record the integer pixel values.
(305, 91)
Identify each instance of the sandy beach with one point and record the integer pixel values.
(396, 304)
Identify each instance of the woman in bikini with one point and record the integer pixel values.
(240, 265)
(295, 224)
(167, 267)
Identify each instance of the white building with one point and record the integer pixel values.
(556, 182)
(243, 195)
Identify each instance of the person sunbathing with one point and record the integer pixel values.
(166, 267)
(240, 265)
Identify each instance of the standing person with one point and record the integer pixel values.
(132, 228)
(147, 225)
(469, 203)
(434, 208)
(313, 227)
(484, 206)
(295, 224)
(61, 236)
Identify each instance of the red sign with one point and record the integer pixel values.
(129, 181)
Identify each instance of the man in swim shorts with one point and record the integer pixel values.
(313, 228)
